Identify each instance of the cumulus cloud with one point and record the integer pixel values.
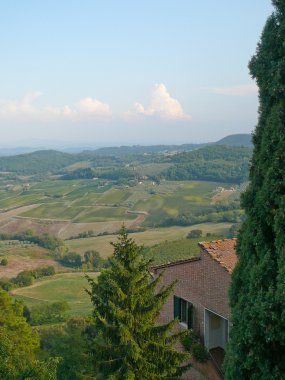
(25, 109)
(94, 106)
(162, 105)
(238, 90)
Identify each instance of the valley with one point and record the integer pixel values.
(56, 207)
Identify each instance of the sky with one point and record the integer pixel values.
(109, 72)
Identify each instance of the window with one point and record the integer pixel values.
(183, 310)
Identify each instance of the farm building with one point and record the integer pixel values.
(200, 298)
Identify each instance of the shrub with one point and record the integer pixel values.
(189, 340)
(72, 259)
(48, 313)
(23, 279)
(199, 352)
(93, 259)
(194, 234)
(42, 272)
(4, 262)
(6, 284)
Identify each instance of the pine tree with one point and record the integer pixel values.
(257, 296)
(127, 343)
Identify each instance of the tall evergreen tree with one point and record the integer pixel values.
(127, 343)
(257, 296)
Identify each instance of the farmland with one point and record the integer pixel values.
(147, 238)
(78, 204)
(69, 287)
(24, 256)
(84, 200)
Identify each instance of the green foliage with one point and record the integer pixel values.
(44, 240)
(37, 162)
(189, 340)
(194, 234)
(85, 173)
(93, 260)
(4, 262)
(240, 139)
(211, 163)
(168, 251)
(191, 343)
(212, 216)
(199, 352)
(45, 313)
(64, 287)
(126, 342)
(233, 231)
(257, 296)
(115, 174)
(26, 278)
(69, 341)
(19, 345)
(6, 284)
(83, 235)
(71, 259)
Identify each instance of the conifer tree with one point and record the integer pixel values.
(127, 343)
(257, 296)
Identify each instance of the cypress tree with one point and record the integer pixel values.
(257, 295)
(127, 343)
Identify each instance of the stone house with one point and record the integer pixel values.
(200, 298)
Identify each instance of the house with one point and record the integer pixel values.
(200, 297)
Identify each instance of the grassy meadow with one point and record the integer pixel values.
(69, 287)
(24, 256)
(147, 238)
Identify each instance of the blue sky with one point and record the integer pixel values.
(127, 72)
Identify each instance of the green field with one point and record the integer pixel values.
(56, 210)
(69, 287)
(10, 248)
(82, 204)
(188, 197)
(103, 214)
(169, 251)
(87, 199)
(20, 199)
(147, 238)
(115, 196)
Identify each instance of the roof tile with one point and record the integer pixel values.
(222, 251)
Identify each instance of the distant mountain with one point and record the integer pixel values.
(52, 161)
(241, 139)
(17, 150)
(148, 149)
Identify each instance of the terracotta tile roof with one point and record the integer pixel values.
(177, 262)
(223, 251)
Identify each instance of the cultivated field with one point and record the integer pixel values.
(24, 256)
(185, 197)
(66, 208)
(147, 238)
(69, 287)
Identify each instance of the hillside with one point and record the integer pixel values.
(37, 162)
(241, 139)
(111, 163)
(211, 163)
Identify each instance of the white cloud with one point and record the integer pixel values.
(162, 105)
(93, 106)
(25, 109)
(238, 90)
